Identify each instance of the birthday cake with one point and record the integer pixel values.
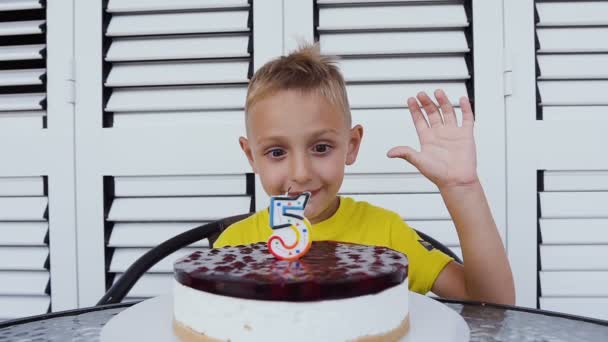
(335, 292)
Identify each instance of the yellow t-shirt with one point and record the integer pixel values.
(355, 222)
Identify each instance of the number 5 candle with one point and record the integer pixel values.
(290, 238)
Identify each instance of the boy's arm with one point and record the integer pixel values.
(448, 159)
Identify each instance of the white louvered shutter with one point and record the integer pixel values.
(572, 83)
(173, 63)
(149, 210)
(389, 52)
(22, 64)
(574, 249)
(24, 250)
(558, 170)
(37, 197)
(159, 151)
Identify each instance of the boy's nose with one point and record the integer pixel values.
(300, 169)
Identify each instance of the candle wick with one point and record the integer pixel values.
(287, 192)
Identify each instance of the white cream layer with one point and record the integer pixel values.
(238, 319)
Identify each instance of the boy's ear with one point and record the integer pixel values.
(247, 150)
(356, 134)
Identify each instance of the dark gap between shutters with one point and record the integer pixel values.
(540, 187)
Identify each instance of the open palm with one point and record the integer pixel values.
(447, 153)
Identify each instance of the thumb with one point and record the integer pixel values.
(405, 152)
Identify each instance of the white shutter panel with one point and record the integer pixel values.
(24, 250)
(574, 248)
(22, 65)
(572, 60)
(555, 150)
(160, 99)
(389, 52)
(178, 62)
(146, 211)
(573, 215)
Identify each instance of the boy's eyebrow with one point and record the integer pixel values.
(315, 135)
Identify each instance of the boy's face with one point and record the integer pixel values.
(299, 142)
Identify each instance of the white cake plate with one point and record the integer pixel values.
(151, 320)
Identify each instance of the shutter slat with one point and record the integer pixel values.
(172, 47)
(589, 307)
(125, 257)
(15, 28)
(178, 208)
(21, 52)
(443, 231)
(21, 77)
(13, 102)
(404, 69)
(178, 98)
(392, 17)
(119, 6)
(11, 121)
(21, 186)
(23, 208)
(574, 231)
(579, 66)
(574, 204)
(386, 183)
(573, 258)
(22, 306)
(573, 93)
(576, 181)
(16, 5)
(23, 258)
(575, 13)
(393, 43)
(394, 95)
(573, 39)
(176, 118)
(178, 23)
(150, 234)
(334, 2)
(151, 285)
(23, 233)
(573, 284)
(410, 206)
(167, 73)
(15, 283)
(593, 113)
(180, 185)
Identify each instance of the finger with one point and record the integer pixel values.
(419, 120)
(449, 117)
(468, 119)
(405, 152)
(431, 109)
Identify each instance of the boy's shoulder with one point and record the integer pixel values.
(243, 231)
(367, 211)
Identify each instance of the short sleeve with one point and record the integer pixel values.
(425, 262)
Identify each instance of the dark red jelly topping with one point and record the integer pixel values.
(330, 270)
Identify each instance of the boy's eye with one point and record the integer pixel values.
(321, 148)
(275, 153)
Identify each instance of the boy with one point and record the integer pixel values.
(299, 138)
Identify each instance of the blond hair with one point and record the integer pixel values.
(305, 70)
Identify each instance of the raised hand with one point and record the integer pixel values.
(447, 153)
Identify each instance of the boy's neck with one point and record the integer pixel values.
(328, 212)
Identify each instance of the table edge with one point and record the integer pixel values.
(528, 310)
(79, 311)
